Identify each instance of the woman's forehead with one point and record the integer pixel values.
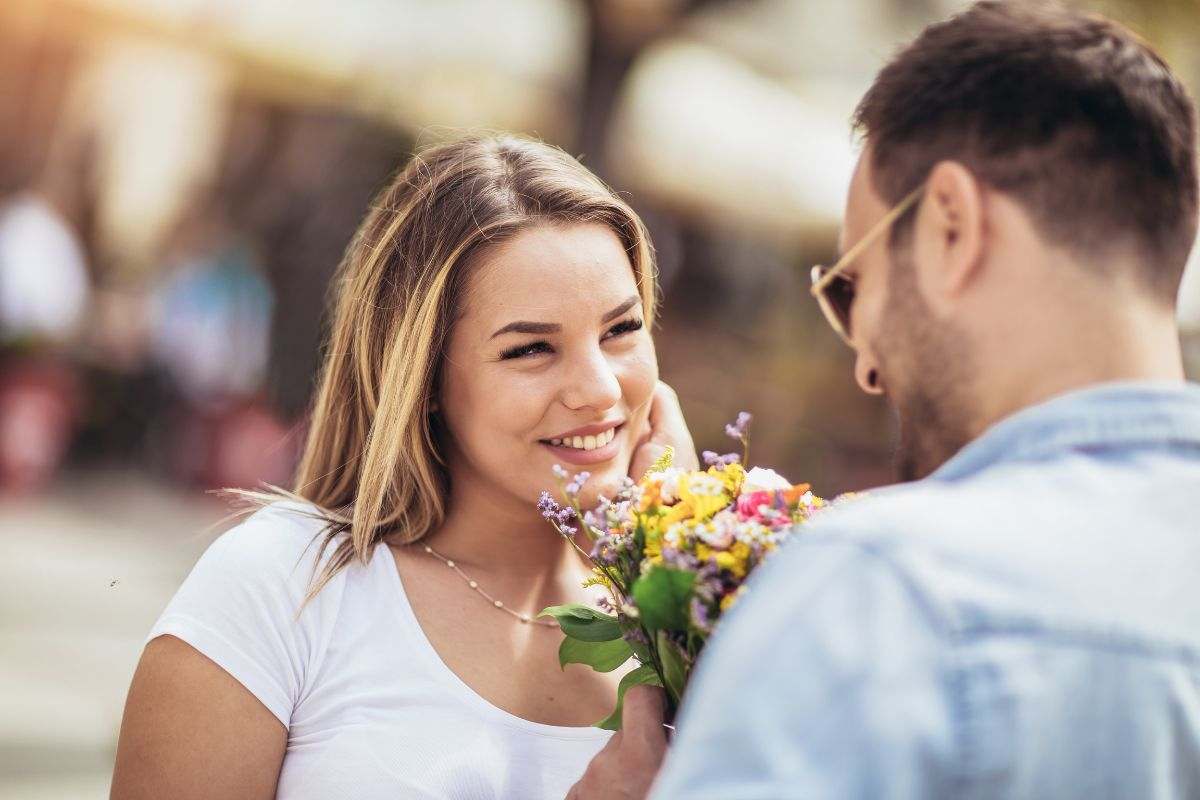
(552, 269)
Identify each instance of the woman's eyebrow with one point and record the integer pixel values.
(528, 327)
(522, 326)
(621, 309)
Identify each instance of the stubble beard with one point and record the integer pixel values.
(928, 372)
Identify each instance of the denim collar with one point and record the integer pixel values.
(1100, 416)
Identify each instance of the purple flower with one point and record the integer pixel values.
(636, 636)
(565, 515)
(576, 485)
(678, 559)
(708, 584)
(559, 472)
(624, 487)
(550, 509)
(698, 612)
(713, 459)
(605, 550)
(739, 428)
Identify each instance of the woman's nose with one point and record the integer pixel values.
(592, 383)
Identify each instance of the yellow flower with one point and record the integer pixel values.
(651, 494)
(732, 476)
(728, 561)
(677, 513)
(704, 493)
(598, 579)
(728, 600)
(652, 526)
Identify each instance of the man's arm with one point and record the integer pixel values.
(825, 681)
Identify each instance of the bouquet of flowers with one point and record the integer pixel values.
(673, 551)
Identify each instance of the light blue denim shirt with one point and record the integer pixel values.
(1024, 623)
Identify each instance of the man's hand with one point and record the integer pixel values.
(667, 428)
(628, 764)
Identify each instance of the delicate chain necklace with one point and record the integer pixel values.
(524, 618)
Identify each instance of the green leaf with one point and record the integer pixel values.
(644, 674)
(662, 596)
(674, 671)
(641, 651)
(600, 656)
(584, 622)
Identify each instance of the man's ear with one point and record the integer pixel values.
(950, 230)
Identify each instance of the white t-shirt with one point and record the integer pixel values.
(372, 711)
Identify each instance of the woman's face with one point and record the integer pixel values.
(549, 363)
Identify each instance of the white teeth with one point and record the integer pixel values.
(586, 442)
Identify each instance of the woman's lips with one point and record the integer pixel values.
(575, 455)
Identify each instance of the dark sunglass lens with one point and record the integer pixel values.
(840, 294)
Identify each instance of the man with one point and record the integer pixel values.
(1023, 618)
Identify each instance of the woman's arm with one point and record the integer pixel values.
(192, 731)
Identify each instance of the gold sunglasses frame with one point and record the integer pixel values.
(822, 276)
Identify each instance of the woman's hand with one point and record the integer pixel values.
(667, 428)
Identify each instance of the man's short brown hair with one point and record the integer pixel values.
(1073, 115)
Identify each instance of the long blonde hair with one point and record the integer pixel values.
(371, 462)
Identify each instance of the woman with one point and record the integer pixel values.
(492, 320)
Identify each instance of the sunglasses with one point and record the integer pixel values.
(833, 289)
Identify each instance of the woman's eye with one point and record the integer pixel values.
(628, 326)
(532, 349)
(540, 348)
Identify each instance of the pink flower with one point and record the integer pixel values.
(748, 504)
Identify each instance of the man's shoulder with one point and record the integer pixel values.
(1025, 548)
(958, 551)
(902, 517)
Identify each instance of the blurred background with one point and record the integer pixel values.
(178, 179)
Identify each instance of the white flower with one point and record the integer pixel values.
(764, 480)
(705, 485)
(670, 483)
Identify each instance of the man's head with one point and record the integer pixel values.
(1056, 153)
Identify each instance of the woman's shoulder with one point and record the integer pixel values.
(279, 549)
(275, 533)
(246, 604)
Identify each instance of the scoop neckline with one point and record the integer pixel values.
(451, 680)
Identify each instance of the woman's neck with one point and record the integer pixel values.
(487, 533)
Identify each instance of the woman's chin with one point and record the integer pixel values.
(605, 479)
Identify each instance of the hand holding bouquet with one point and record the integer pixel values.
(673, 551)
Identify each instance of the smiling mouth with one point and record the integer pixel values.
(584, 443)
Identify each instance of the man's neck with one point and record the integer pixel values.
(1132, 345)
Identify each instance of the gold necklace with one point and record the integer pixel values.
(524, 618)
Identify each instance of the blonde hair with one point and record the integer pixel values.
(371, 463)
